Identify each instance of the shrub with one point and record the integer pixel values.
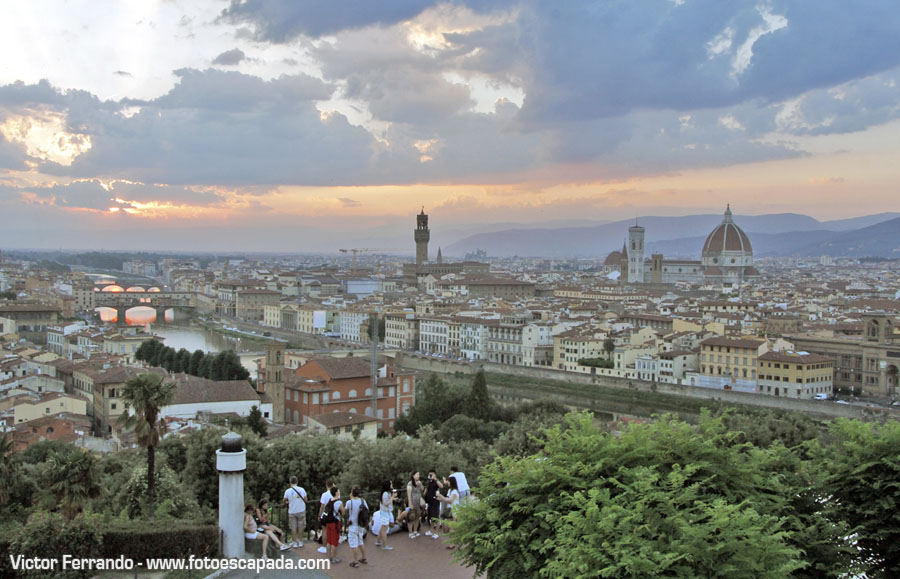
(174, 499)
(597, 363)
(142, 540)
(50, 534)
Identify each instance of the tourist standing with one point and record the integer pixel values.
(332, 518)
(432, 504)
(355, 527)
(461, 483)
(414, 491)
(388, 494)
(295, 499)
(324, 500)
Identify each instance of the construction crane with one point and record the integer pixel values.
(355, 250)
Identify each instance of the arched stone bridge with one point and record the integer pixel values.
(160, 301)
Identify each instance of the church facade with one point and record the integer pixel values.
(726, 259)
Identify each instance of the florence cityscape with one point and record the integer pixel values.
(482, 289)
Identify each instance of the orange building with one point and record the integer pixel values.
(326, 385)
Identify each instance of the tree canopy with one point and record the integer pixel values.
(663, 499)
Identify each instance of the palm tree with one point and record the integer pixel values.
(146, 394)
(74, 478)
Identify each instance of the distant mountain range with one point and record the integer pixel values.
(782, 234)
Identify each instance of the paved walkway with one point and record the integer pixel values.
(422, 556)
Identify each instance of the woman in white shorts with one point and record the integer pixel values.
(252, 532)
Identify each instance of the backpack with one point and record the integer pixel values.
(362, 517)
(328, 514)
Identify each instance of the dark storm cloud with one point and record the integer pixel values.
(230, 57)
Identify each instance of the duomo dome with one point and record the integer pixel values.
(727, 245)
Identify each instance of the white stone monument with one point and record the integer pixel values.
(231, 462)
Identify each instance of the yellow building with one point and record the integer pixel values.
(795, 374)
(731, 357)
(49, 405)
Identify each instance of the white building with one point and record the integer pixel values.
(434, 336)
(351, 324)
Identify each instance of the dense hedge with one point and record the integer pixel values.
(141, 540)
(5, 564)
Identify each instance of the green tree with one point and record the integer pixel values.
(146, 395)
(74, 479)
(174, 451)
(148, 350)
(664, 499)
(527, 435)
(8, 295)
(200, 465)
(435, 403)
(609, 346)
(371, 462)
(233, 369)
(217, 366)
(194, 365)
(8, 469)
(182, 361)
(256, 422)
(167, 360)
(461, 428)
(479, 404)
(204, 368)
(862, 483)
(132, 497)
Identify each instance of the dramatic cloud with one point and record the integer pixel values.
(517, 96)
(230, 57)
(282, 20)
(96, 195)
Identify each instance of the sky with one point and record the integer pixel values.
(311, 125)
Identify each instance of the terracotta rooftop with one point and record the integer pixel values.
(732, 342)
(341, 368)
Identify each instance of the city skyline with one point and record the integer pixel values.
(292, 125)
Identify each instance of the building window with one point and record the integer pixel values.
(315, 398)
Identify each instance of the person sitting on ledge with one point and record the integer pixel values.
(262, 520)
(252, 532)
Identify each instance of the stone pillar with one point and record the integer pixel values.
(231, 462)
